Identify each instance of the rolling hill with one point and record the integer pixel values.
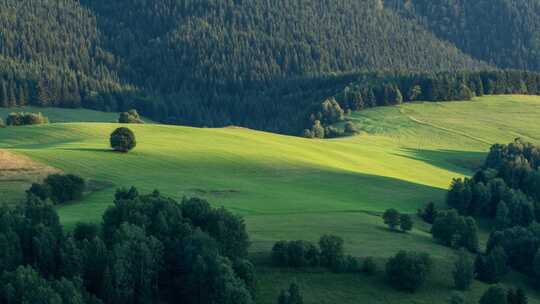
(294, 188)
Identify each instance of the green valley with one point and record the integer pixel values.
(295, 188)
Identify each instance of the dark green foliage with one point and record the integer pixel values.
(295, 254)
(130, 117)
(456, 231)
(291, 296)
(429, 213)
(23, 119)
(245, 270)
(519, 244)
(228, 229)
(136, 261)
(492, 267)
(42, 191)
(505, 189)
(146, 252)
(263, 65)
(405, 222)
(84, 231)
(332, 252)
(392, 218)
(369, 266)
(408, 271)
(517, 296)
(496, 31)
(63, 188)
(123, 140)
(494, 295)
(25, 285)
(463, 271)
(329, 254)
(59, 188)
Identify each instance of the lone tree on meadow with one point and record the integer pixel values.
(123, 140)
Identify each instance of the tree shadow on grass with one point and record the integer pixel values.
(462, 162)
(89, 150)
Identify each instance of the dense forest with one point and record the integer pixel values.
(505, 190)
(505, 33)
(148, 249)
(258, 64)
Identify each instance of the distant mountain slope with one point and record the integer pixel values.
(256, 63)
(171, 45)
(505, 33)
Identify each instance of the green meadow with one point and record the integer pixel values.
(294, 188)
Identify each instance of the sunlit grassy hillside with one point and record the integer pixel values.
(294, 188)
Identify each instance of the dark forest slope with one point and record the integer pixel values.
(505, 33)
(256, 63)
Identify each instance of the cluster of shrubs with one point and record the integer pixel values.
(499, 295)
(329, 253)
(59, 188)
(408, 271)
(328, 113)
(428, 213)
(23, 119)
(451, 229)
(395, 220)
(130, 117)
(148, 249)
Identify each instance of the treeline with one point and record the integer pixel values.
(376, 90)
(24, 119)
(258, 64)
(506, 191)
(329, 253)
(148, 249)
(203, 63)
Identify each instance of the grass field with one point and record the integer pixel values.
(294, 188)
(57, 115)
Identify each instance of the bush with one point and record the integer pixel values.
(59, 188)
(123, 140)
(295, 254)
(2, 124)
(406, 223)
(332, 251)
(65, 188)
(408, 270)
(130, 117)
(456, 231)
(463, 271)
(492, 267)
(391, 218)
(494, 295)
(40, 190)
(21, 119)
(429, 213)
(369, 266)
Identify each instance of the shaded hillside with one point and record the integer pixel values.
(505, 33)
(206, 63)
